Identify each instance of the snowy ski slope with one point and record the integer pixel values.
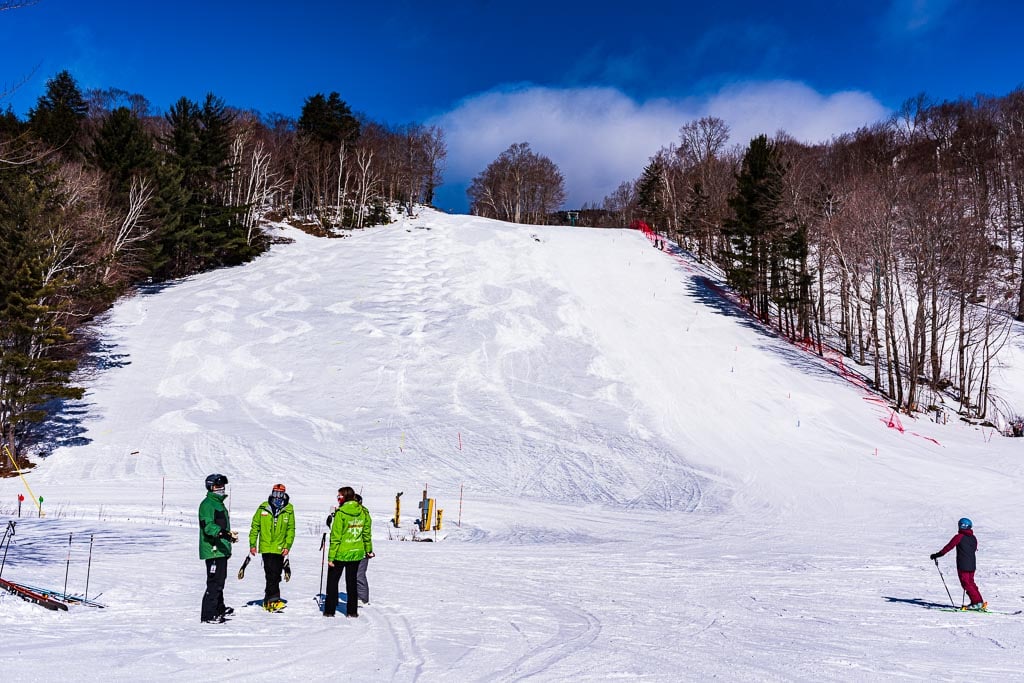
(654, 486)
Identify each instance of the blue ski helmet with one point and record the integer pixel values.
(964, 523)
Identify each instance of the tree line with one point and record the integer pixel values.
(903, 240)
(100, 193)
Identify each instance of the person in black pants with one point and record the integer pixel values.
(215, 539)
(350, 543)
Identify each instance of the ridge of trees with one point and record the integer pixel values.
(99, 193)
(903, 242)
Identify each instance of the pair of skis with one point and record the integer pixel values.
(954, 608)
(32, 596)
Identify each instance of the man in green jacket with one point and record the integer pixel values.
(274, 526)
(351, 541)
(215, 539)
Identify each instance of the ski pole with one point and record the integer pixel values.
(953, 604)
(323, 557)
(88, 569)
(67, 568)
(6, 543)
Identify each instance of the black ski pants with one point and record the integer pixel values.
(213, 598)
(333, 577)
(272, 566)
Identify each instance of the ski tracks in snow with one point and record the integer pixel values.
(577, 629)
(408, 657)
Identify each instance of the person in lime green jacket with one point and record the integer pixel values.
(362, 587)
(273, 528)
(351, 540)
(215, 539)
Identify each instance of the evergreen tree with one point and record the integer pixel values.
(59, 115)
(123, 149)
(756, 230)
(33, 366)
(10, 126)
(650, 194)
(208, 230)
(328, 120)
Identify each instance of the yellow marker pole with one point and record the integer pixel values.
(23, 480)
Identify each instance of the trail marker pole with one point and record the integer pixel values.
(460, 505)
(23, 480)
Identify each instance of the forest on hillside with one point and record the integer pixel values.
(902, 243)
(100, 192)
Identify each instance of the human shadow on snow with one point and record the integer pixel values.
(918, 602)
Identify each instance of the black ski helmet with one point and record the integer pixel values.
(964, 523)
(216, 481)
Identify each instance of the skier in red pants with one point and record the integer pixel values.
(966, 546)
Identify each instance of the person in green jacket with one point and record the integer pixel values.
(362, 587)
(215, 539)
(273, 525)
(351, 541)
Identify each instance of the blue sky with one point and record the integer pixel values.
(596, 86)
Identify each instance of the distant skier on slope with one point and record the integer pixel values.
(966, 546)
(215, 539)
(273, 524)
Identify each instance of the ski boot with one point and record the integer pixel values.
(977, 607)
(274, 606)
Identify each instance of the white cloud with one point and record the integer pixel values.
(600, 137)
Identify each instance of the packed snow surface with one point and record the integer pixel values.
(638, 481)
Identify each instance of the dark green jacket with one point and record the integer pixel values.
(350, 533)
(213, 519)
(274, 533)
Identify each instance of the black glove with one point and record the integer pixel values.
(933, 556)
(230, 535)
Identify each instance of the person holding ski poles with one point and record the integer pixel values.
(215, 539)
(966, 546)
(273, 525)
(362, 587)
(350, 542)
